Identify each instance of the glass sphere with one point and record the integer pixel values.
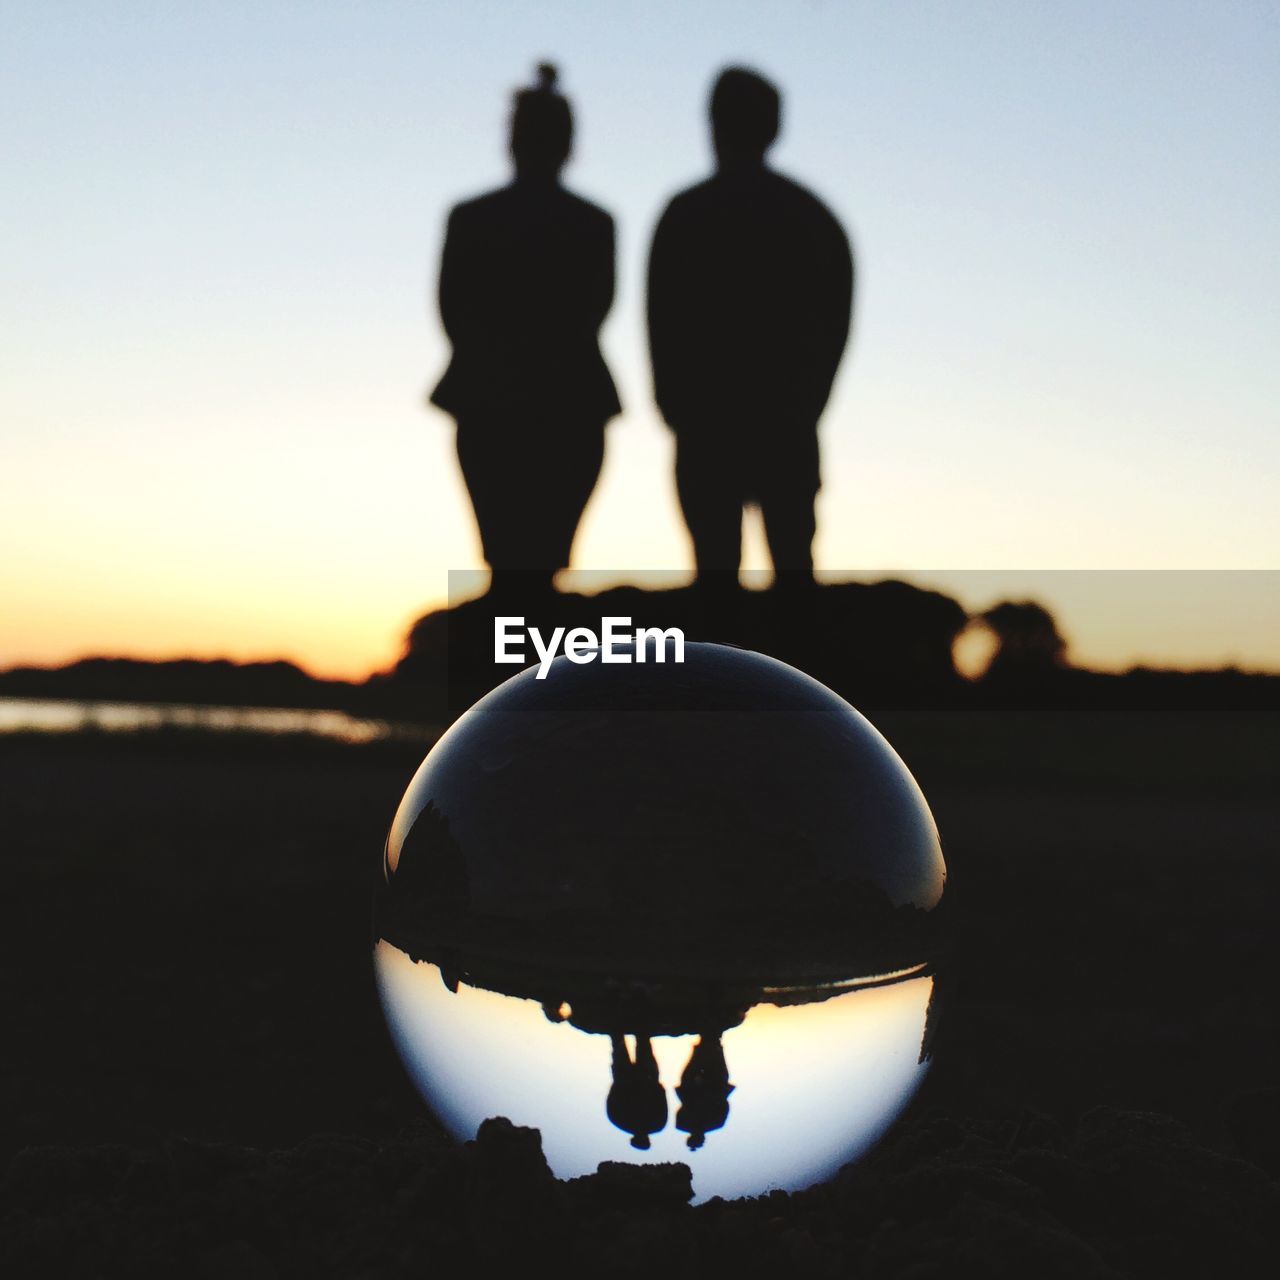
(665, 911)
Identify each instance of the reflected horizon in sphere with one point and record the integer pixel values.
(665, 912)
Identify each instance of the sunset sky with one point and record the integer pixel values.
(219, 239)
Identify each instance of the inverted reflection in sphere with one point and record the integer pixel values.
(665, 912)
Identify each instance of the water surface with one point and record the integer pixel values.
(57, 715)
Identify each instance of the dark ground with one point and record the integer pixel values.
(188, 1003)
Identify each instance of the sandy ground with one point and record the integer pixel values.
(185, 934)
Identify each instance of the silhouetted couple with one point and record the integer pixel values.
(637, 1101)
(749, 296)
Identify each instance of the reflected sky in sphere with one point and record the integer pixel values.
(665, 912)
(814, 1084)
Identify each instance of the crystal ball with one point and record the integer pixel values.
(661, 911)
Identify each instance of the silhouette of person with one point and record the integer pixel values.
(703, 1091)
(526, 279)
(749, 297)
(637, 1102)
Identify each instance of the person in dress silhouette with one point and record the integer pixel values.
(526, 279)
(750, 292)
(637, 1102)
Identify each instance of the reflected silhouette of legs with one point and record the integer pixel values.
(704, 1091)
(637, 1102)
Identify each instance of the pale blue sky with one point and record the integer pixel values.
(219, 238)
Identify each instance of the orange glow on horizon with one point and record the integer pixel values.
(1112, 621)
